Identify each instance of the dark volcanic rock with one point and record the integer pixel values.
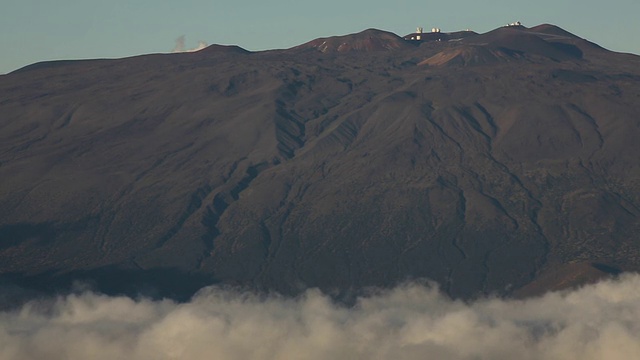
(287, 169)
(366, 41)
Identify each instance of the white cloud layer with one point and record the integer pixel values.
(600, 321)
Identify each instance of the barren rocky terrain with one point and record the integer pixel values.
(503, 163)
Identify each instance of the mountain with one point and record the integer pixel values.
(365, 41)
(503, 163)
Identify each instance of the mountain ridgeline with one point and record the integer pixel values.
(504, 163)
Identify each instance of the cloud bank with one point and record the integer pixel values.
(600, 321)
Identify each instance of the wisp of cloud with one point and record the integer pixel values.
(600, 321)
(181, 47)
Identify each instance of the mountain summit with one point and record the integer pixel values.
(500, 163)
(365, 41)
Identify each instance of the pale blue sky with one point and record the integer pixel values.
(37, 30)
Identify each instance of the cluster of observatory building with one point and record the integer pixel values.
(437, 35)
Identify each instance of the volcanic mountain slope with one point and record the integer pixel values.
(286, 169)
(365, 41)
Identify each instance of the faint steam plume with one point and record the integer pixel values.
(179, 44)
(181, 47)
(600, 321)
(201, 45)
